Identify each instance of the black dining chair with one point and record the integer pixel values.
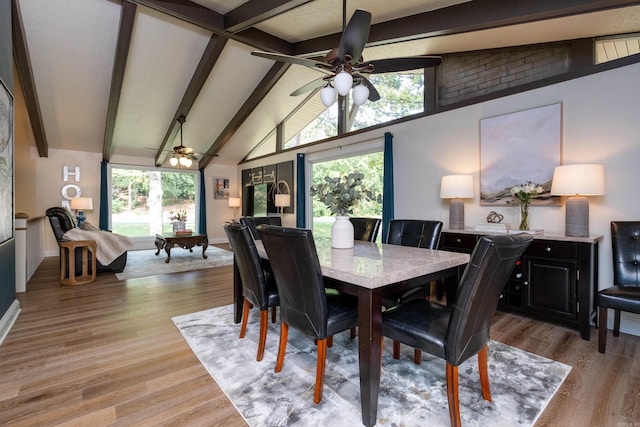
(624, 295)
(365, 229)
(258, 286)
(254, 221)
(460, 330)
(304, 304)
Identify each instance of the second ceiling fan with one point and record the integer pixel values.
(344, 66)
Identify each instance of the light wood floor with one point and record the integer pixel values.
(108, 354)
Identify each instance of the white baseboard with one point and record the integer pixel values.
(9, 319)
(629, 323)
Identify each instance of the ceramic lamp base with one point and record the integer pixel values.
(577, 217)
(456, 214)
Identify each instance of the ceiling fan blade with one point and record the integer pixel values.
(355, 36)
(314, 84)
(373, 93)
(392, 65)
(317, 65)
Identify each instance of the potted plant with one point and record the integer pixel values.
(341, 195)
(179, 219)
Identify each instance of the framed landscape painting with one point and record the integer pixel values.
(519, 147)
(220, 188)
(6, 164)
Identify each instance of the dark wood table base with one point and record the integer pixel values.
(168, 241)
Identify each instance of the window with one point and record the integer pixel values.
(144, 199)
(371, 164)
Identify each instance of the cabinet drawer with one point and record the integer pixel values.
(552, 249)
(457, 241)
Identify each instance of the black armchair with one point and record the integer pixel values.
(61, 221)
(258, 287)
(304, 304)
(365, 229)
(624, 295)
(254, 221)
(460, 330)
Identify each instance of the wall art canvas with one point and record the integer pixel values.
(517, 148)
(221, 188)
(6, 164)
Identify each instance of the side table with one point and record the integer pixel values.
(67, 256)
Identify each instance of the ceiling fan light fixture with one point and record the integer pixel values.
(360, 94)
(343, 82)
(173, 161)
(328, 95)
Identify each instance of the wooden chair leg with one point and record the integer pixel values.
(264, 319)
(282, 348)
(245, 317)
(322, 359)
(329, 341)
(616, 323)
(273, 314)
(602, 329)
(396, 349)
(452, 395)
(484, 373)
(417, 356)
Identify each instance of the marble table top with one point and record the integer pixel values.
(373, 265)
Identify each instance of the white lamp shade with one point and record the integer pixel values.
(234, 202)
(187, 162)
(583, 180)
(343, 82)
(328, 95)
(173, 161)
(82, 203)
(282, 200)
(360, 94)
(456, 186)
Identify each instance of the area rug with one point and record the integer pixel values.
(147, 263)
(522, 384)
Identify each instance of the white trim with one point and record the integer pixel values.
(9, 319)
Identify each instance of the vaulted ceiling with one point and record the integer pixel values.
(113, 77)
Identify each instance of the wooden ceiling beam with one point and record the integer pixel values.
(125, 32)
(27, 81)
(214, 22)
(262, 89)
(255, 11)
(209, 58)
(465, 17)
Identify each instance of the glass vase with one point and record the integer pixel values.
(524, 216)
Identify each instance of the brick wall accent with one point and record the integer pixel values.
(468, 75)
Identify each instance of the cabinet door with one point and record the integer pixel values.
(551, 287)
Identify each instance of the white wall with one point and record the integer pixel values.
(600, 124)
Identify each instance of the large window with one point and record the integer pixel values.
(370, 164)
(143, 200)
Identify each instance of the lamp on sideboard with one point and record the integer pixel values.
(577, 181)
(456, 188)
(81, 204)
(235, 203)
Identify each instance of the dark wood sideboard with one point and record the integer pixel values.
(554, 281)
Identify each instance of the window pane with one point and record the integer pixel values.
(371, 165)
(143, 200)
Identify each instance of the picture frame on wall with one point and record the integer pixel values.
(6, 164)
(220, 188)
(520, 147)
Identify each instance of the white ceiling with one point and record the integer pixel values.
(72, 44)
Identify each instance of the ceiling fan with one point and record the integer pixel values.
(344, 66)
(181, 156)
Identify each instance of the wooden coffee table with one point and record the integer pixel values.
(185, 241)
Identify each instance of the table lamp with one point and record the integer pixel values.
(577, 181)
(81, 204)
(235, 203)
(456, 188)
(282, 201)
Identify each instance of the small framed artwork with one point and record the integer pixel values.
(220, 188)
(6, 163)
(517, 148)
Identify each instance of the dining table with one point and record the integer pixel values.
(371, 271)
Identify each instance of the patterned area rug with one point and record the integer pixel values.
(522, 384)
(146, 263)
